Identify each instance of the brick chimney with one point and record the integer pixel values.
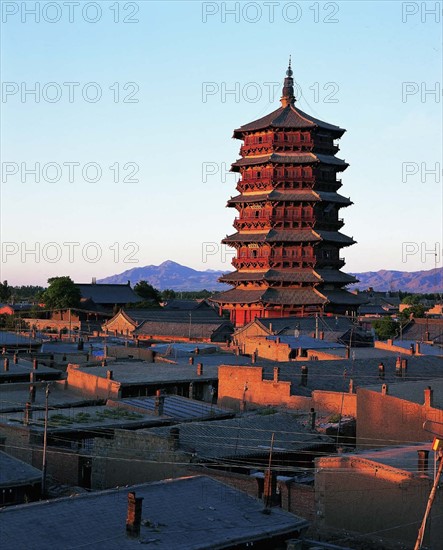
(429, 397)
(159, 403)
(199, 369)
(15, 359)
(174, 439)
(109, 374)
(381, 370)
(134, 516)
(35, 364)
(423, 462)
(384, 389)
(191, 360)
(6, 364)
(28, 413)
(304, 375)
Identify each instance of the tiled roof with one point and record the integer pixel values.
(291, 276)
(191, 329)
(108, 294)
(245, 436)
(192, 513)
(282, 296)
(177, 407)
(287, 117)
(287, 325)
(342, 297)
(289, 158)
(290, 235)
(187, 305)
(301, 196)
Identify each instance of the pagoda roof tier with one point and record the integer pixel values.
(294, 195)
(289, 235)
(288, 296)
(274, 296)
(340, 296)
(287, 117)
(290, 276)
(289, 158)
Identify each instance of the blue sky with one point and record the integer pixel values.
(362, 53)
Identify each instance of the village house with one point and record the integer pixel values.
(399, 413)
(326, 386)
(240, 445)
(196, 512)
(19, 482)
(382, 493)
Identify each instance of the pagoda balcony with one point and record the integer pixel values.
(262, 221)
(269, 144)
(281, 262)
(293, 218)
(241, 263)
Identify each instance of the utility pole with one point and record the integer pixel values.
(268, 476)
(421, 531)
(45, 441)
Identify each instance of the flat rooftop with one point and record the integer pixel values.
(401, 457)
(14, 472)
(85, 418)
(187, 513)
(335, 375)
(414, 391)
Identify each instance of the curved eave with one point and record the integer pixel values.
(289, 158)
(287, 118)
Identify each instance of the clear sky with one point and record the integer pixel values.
(149, 97)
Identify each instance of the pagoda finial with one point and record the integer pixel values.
(288, 97)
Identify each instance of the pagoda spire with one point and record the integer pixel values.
(288, 97)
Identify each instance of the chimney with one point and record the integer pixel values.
(270, 327)
(384, 389)
(348, 352)
(109, 374)
(80, 344)
(412, 349)
(104, 363)
(351, 386)
(105, 352)
(15, 359)
(159, 403)
(398, 366)
(276, 373)
(6, 364)
(304, 375)
(417, 348)
(423, 462)
(35, 364)
(28, 413)
(312, 417)
(199, 369)
(381, 370)
(191, 390)
(174, 439)
(404, 366)
(196, 351)
(191, 360)
(322, 335)
(270, 488)
(429, 397)
(134, 516)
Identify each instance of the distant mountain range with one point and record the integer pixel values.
(178, 277)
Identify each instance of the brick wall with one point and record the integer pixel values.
(90, 385)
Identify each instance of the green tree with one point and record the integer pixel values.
(5, 291)
(386, 328)
(61, 293)
(412, 299)
(169, 294)
(147, 292)
(416, 311)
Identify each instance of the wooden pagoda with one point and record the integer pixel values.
(288, 240)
